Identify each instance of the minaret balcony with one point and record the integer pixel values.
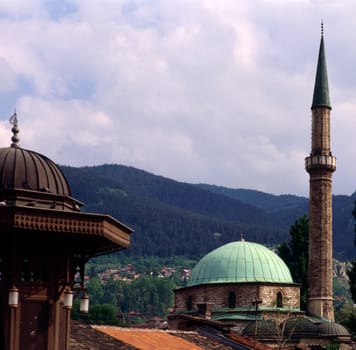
(320, 161)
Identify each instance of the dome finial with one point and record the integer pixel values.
(15, 130)
(322, 28)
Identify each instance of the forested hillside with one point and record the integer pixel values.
(286, 207)
(174, 218)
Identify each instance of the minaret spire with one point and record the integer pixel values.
(320, 165)
(321, 88)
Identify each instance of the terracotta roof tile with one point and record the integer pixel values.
(84, 337)
(148, 339)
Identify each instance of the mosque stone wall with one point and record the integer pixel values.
(290, 296)
(246, 293)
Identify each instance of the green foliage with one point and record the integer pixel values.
(354, 214)
(288, 204)
(148, 295)
(103, 314)
(352, 272)
(352, 279)
(295, 255)
(95, 290)
(344, 313)
(98, 314)
(172, 218)
(111, 292)
(75, 313)
(332, 346)
(350, 323)
(343, 304)
(145, 296)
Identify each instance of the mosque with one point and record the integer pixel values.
(242, 286)
(246, 288)
(236, 282)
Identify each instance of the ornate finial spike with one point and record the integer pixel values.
(13, 119)
(15, 130)
(322, 28)
(242, 239)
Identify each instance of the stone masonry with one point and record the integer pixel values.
(246, 293)
(320, 165)
(320, 168)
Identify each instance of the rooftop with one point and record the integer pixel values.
(240, 262)
(85, 337)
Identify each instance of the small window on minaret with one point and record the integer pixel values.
(232, 300)
(279, 299)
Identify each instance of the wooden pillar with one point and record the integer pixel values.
(14, 323)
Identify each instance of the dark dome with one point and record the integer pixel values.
(301, 326)
(27, 170)
(265, 328)
(333, 329)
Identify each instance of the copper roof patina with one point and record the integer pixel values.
(240, 262)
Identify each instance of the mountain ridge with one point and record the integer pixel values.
(178, 218)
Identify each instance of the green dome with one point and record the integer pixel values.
(240, 262)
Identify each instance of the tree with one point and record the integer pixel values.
(111, 292)
(103, 314)
(149, 295)
(351, 322)
(295, 255)
(95, 290)
(352, 272)
(284, 332)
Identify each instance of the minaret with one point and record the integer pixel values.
(320, 165)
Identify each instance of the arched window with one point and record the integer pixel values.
(190, 303)
(232, 300)
(279, 299)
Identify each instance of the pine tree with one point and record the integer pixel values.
(352, 272)
(351, 323)
(295, 255)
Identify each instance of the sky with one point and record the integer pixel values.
(199, 91)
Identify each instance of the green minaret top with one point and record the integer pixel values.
(321, 88)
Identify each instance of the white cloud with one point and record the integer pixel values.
(202, 91)
(7, 77)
